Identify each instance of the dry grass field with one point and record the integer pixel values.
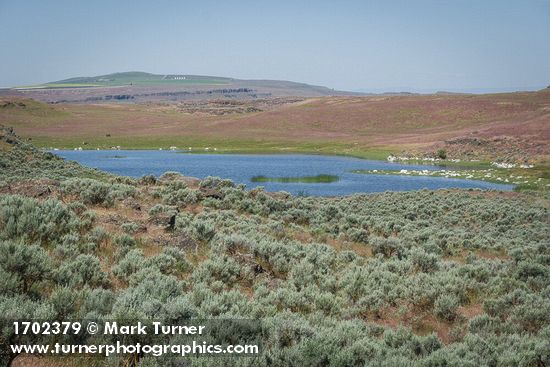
(514, 124)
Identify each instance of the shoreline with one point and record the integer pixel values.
(365, 155)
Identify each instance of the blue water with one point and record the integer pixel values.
(242, 167)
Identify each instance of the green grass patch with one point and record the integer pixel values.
(303, 179)
(211, 145)
(60, 85)
(140, 79)
(523, 179)
(129, 78)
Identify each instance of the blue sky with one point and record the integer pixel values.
(421, 45)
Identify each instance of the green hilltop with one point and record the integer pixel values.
(137, 78)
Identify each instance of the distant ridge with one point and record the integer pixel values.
(138, 86)
(141, 78)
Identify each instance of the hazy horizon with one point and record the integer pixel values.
(428, 46)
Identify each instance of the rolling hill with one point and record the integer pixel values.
(510, 126)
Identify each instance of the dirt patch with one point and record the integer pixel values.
(502, 148)
(471, 311)
(42, 188)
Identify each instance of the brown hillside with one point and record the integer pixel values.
(416, 122)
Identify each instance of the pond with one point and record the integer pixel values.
(294, 173)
